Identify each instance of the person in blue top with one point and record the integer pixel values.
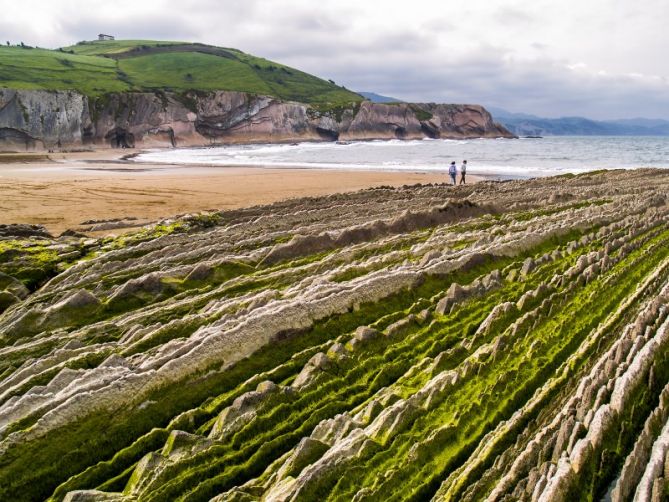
(452, 171)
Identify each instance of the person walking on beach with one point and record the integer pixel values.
(463, 172)
(452, 171)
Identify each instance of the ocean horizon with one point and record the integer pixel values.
(513, 158)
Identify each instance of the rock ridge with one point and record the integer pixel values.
(45, 120)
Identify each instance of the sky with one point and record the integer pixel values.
(602, 59)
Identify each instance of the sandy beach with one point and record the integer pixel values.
(64, 190)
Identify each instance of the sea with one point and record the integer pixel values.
(495, 158)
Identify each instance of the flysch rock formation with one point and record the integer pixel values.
(499, 341)
(41, 120)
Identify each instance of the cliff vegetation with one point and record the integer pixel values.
(100, 67)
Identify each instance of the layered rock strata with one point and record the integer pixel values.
(40, 120)
(501, 341)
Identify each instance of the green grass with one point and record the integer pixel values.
(54, 70)
(195, 70)
(97, 68)
(421, 114)
(110, 47)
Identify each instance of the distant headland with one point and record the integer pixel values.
(142, 93)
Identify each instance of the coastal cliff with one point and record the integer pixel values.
(43, 120)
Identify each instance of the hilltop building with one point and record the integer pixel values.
(102, 36)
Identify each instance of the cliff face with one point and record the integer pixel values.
(419, 120)
(41, 120)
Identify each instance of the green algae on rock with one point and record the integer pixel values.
(489, 342)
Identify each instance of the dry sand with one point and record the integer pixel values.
(67, 189)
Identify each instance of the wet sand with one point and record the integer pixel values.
(67, 189)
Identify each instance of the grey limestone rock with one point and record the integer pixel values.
(316, 365)
(528, 266)
(94, 496)
(22, 230)
(365, 334)
(13, 286)
(7, 299)
(306, 452)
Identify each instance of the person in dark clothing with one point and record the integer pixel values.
(463, 172)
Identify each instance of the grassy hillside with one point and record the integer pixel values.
(95, 68)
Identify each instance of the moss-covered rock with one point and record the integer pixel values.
(408, 346)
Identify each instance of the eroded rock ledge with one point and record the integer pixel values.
(501, 341)
(40, 120)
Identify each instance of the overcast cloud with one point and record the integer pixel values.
(596, 58)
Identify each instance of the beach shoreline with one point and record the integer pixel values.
(99, 192)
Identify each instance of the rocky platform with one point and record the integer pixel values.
(501, 341)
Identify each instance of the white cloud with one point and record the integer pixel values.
(598, 58)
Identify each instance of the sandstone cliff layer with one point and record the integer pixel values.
(42, 120)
